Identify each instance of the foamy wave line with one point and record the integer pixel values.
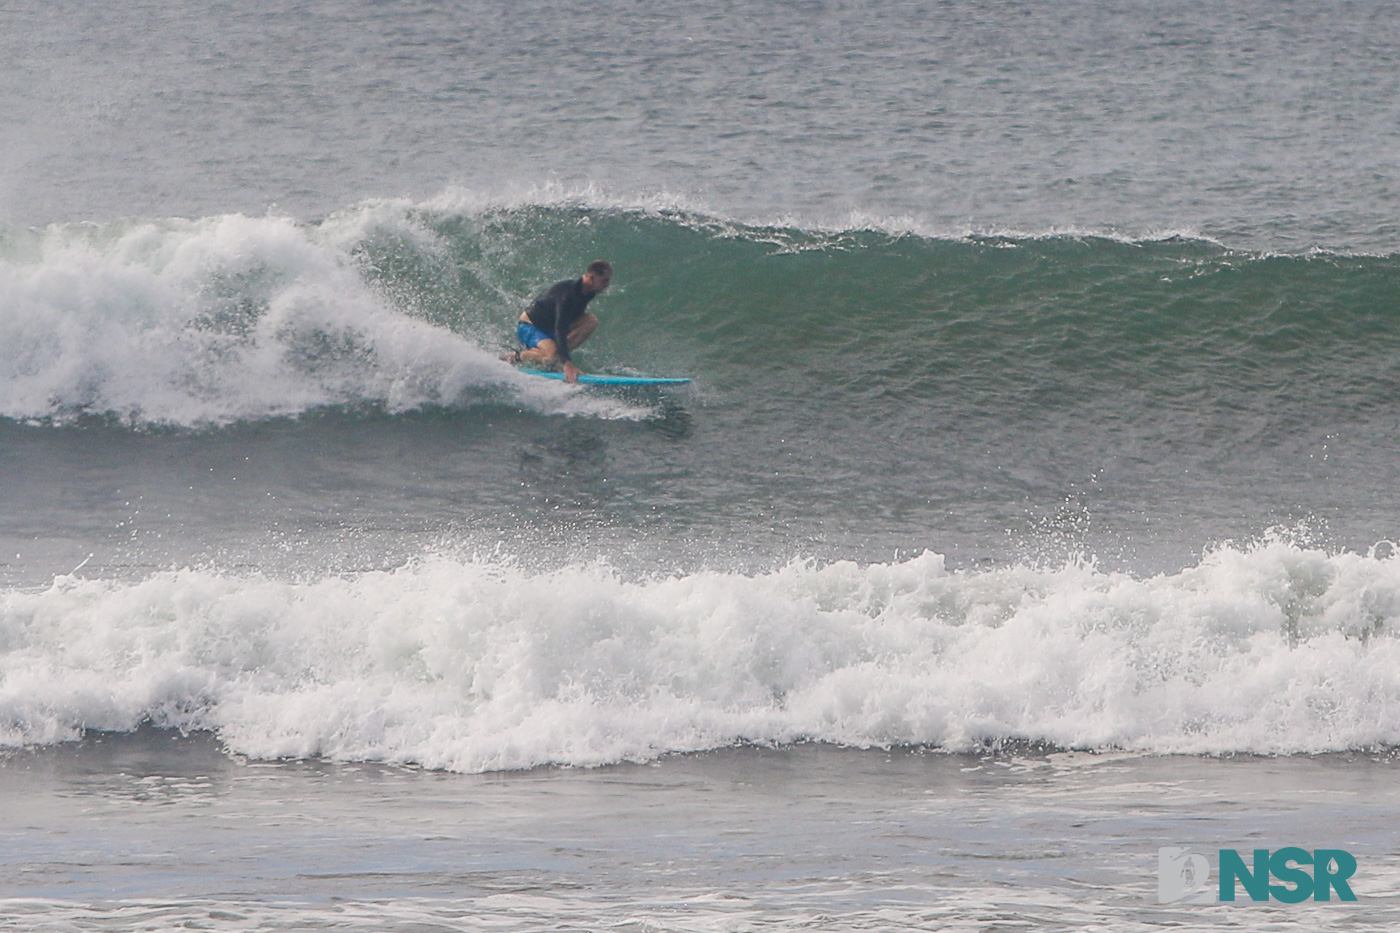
(792, 230)
(695, 211)
(471, 665)
(692, 211)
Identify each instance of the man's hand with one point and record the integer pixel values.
(571, 372)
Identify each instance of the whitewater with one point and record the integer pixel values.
(462, 665)
(208, 322)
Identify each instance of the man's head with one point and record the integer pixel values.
(597, 278)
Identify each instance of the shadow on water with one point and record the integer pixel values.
(577, 464)
(672, 420)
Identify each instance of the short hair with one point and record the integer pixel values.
(600, 267)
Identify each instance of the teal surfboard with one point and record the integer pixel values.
(599, 379)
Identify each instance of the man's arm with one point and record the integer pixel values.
(562, 326)
(559, 328)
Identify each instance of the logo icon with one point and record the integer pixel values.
(1183, 877)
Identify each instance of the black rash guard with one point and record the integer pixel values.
(558, 309)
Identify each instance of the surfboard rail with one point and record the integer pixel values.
(604, 379)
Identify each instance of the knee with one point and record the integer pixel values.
(584, 327)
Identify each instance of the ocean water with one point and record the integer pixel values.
(1033, 505)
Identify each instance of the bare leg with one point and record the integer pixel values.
(583, 329)
(546, 351)
(543, 352)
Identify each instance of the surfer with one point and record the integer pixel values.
(561, 310)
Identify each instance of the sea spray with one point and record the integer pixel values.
(223, 319)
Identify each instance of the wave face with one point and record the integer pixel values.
(460, 664)
(398, 306)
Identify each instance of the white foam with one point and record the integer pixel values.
(475, 665)
(227, 318)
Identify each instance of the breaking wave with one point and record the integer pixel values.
(474, 665)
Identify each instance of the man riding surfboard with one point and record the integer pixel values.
(560, 311)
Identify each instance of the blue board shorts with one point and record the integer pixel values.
(530, 335)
